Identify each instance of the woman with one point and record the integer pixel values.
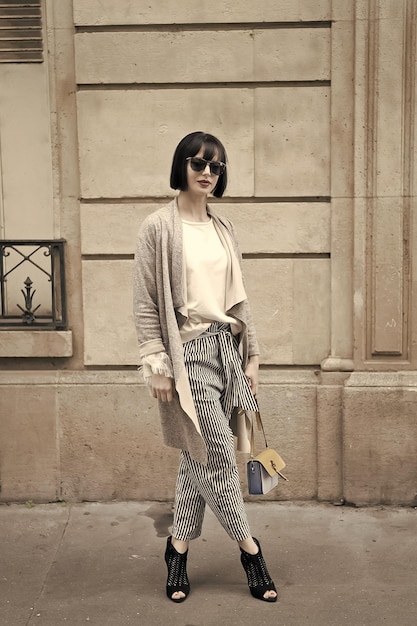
(199, 355)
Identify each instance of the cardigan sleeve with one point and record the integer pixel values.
(145, 301)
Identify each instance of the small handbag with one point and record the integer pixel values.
(264, 469)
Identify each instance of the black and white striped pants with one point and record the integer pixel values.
(218, 384)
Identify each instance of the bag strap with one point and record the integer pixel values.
(252, 433)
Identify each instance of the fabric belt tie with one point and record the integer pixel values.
(237, 392)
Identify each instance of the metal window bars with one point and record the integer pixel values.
(32, 285)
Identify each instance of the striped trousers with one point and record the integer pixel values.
(218, 384)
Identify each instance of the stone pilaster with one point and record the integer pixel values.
(384, 158)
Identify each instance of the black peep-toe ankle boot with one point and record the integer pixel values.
(177, 572)
(259, 580)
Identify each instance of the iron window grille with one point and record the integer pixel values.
(32, 285)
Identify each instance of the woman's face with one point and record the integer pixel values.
(202, 182)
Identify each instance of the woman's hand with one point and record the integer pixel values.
(161, 387)
(251, 373)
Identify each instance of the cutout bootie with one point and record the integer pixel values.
(177, 579)
(259, 580)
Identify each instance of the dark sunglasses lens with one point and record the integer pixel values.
(197, 164)
(216, 168)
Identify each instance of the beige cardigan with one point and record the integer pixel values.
(159, 312)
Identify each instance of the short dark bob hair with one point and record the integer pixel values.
(189, 146)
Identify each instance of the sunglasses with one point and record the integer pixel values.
(198, 165)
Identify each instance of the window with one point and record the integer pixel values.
(32, 285)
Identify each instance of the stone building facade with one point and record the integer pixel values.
(316, 104)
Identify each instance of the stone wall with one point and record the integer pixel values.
(316, 105)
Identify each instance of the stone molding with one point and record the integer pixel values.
(36, 343)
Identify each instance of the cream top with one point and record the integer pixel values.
(207, 268)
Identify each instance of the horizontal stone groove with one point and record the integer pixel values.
(120, 368)
(111, 368)
(194, 85)
(249, 255)
(290, 366)
(107, 257)
(224, 200)
(286, 255)
(169, 28)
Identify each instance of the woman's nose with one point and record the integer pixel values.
(206, 170)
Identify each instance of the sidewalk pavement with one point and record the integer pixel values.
(103, 564)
